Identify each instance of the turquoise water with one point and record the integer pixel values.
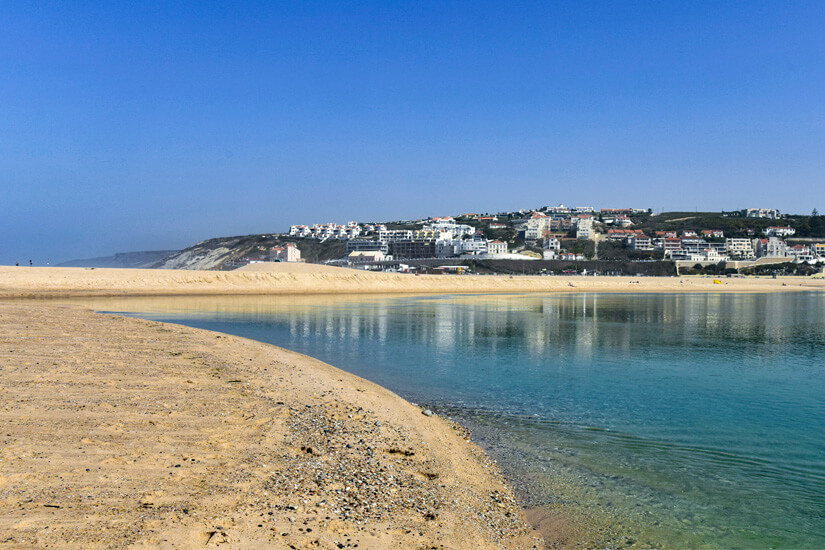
(667, 420)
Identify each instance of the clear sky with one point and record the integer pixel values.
(146, 125)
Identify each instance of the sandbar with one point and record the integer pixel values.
(283, 278)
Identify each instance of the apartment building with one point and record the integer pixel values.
(287, 253)
(740, 249)
(772, 247)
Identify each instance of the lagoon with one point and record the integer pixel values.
(655, 420)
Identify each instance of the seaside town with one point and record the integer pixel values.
(743, 238)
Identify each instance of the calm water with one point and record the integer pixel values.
(671, 420)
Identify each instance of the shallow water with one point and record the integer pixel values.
(664, 420)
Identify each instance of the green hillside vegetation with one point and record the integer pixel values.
(317, 252)
(609, 250)
(806, 226)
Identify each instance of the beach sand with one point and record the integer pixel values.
(284, 278)
(119, 432)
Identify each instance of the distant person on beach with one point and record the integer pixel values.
(31, 264)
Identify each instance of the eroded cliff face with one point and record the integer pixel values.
(229, 252)
(197, 257)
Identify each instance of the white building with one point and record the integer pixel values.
(389, 235)
(622, 221)
(536, 226)
(770, 213)
(801, 253)
(697, 255)
(640, 242)
(287, 253)
(448, 228)
(476, 245)
(774, 231)
(496, 247)
(584, 228)
(740, 249)
(366, 257)
(552, 243)
(772, 247)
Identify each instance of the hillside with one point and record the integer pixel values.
(136, 260)
(806, 226)
(228, 252)
(225, 253)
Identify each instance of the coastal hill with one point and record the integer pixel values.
(227, 252)
(135, 260)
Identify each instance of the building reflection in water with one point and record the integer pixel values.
(555, 327)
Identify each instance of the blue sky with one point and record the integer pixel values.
(142, 126)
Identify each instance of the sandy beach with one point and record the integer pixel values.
(283, 278)
(118, 432)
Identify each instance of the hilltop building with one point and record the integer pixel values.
(768, 213)
(774, 231)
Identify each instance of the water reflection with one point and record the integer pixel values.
(708, 404)
(542, 325)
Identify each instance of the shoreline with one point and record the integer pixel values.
(121, 432)
(276, 279)
(27, 301)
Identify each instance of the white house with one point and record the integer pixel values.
(496, 247)
(552, 243)
(774, 231)
(801, 252)
(622, 221)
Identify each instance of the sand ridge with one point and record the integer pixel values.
(276, 278)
